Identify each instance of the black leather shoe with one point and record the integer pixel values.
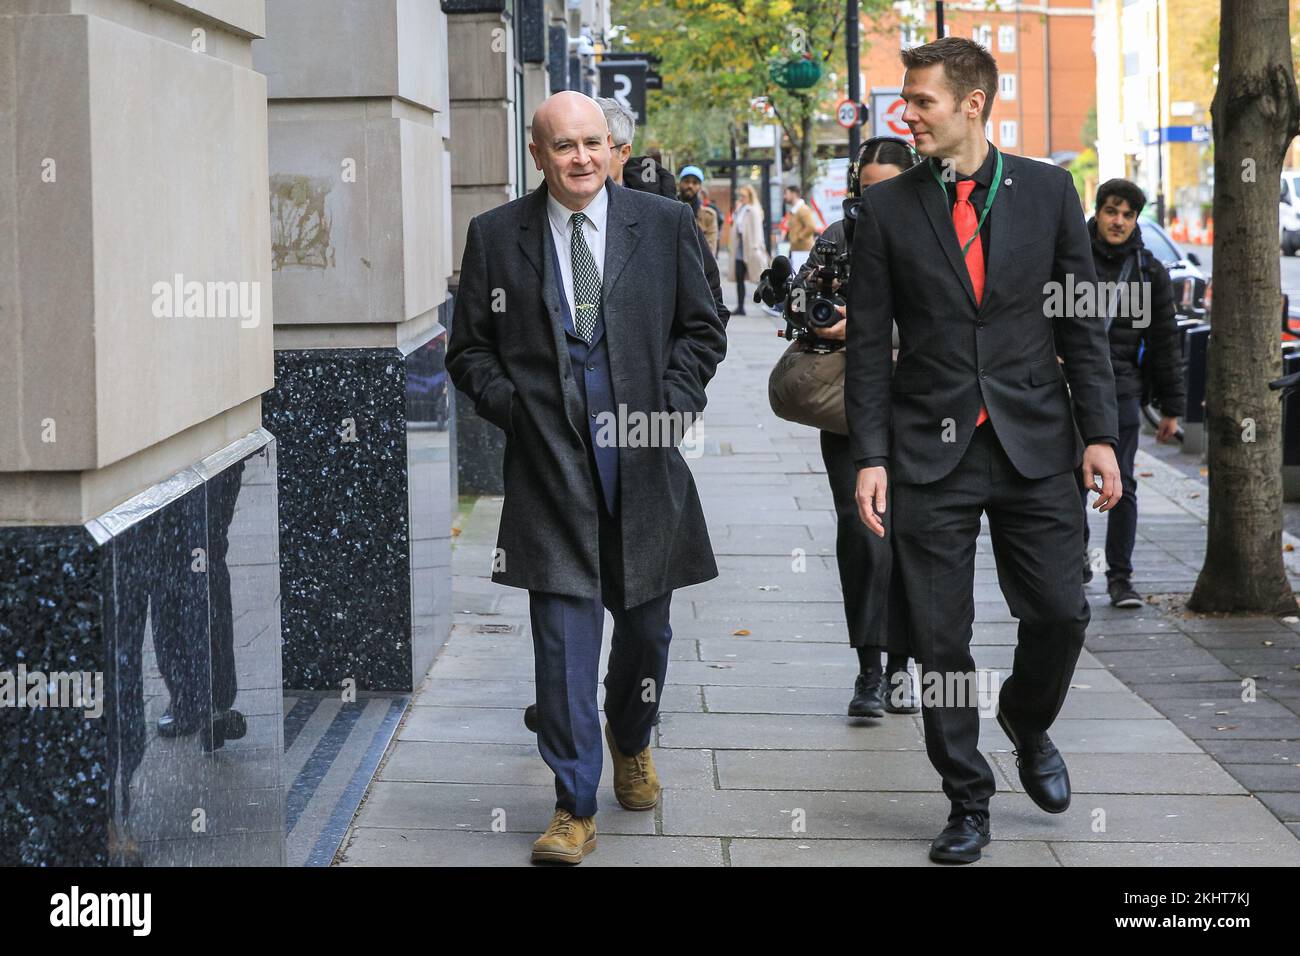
(867, 692)
(961, 840)
(900, 693)
(1042, 768)
(233, 724)
(226, 725)
(1087, 567)
(530, 717)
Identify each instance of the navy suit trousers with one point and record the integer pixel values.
(567, 635)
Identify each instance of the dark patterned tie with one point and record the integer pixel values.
(586, 281)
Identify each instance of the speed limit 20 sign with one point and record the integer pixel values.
(848, 113)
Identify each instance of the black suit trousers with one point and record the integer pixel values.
(873, 606)
(1036, 527)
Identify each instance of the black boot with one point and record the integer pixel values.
(900, 693)
(867, 691)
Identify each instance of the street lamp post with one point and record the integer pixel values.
(853, 55)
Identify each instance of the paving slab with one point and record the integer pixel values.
(759, 763)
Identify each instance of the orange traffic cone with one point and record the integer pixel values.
(1177, 230)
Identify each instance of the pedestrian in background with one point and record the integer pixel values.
(748, 250)
(645, 174)
(717, 217)
(874, 604)
(1120, 256)
(801, 226)
(689, 183)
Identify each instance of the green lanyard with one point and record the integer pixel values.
(988, 200)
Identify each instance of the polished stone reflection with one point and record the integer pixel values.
(431, 493)
(178, 592)
(199, 706)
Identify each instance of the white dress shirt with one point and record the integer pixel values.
(593, 230)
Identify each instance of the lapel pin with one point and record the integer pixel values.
(1007, 181)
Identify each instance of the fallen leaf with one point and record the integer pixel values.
(741, 633)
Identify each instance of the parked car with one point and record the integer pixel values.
(1191, 288)
(1288, 212)
(1185, 274)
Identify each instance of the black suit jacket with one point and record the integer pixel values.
(907, 268)
(508, 353)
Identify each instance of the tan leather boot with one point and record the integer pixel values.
(636, 784)
(567, 839)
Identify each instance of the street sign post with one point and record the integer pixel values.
(848, 113)
(887, 112)
(625, 81)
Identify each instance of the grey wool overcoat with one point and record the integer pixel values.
(508, 353)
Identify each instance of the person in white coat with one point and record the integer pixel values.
(748, 250)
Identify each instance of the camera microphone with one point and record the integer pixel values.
(772, 284)
(781, 270)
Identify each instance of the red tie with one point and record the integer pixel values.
(967, 223)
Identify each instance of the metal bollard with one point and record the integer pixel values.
(1291, 429)
(1197, 344)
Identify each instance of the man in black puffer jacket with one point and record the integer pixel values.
(1152, 331)
(648, 174)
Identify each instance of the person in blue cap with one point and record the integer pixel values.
(689, 182)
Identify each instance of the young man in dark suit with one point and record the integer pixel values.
(972, 253)
(562, 340)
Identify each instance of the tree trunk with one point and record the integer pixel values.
(1255, 115)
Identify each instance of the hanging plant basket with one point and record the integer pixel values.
(796, 74)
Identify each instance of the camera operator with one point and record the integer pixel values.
(816, 315)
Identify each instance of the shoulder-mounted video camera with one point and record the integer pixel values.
(808, 301)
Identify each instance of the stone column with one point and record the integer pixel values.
(140, 702)
(361, 254)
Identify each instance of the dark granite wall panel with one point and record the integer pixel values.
(365, 512)
(54, 806)
(340, 418)
(175, 597)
